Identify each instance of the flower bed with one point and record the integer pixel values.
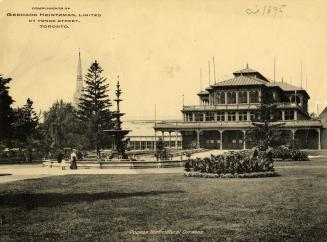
(241, 164)
(286, 153)
(230, 175)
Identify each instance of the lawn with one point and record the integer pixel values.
(291, 207)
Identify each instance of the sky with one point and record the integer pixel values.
(158, 48)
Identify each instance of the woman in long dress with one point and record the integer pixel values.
(73, 160)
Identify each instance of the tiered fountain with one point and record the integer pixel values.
(118, 146)
(118, 157)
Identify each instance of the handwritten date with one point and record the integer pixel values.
(268, 10)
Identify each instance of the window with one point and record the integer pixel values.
(143, 145)
(277, 115)
(252, 115)
(220, 116)
(149, 144)
(231, 97)
(198, 117)
(220, 98)
(242, 97)
(188, 117)
(210, 116)
(137, 145)
(243, 116)
(295, 99)
(231, 116)
(289, 115)
(254, 97)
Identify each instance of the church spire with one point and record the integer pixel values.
(79, 65)
(79, 82)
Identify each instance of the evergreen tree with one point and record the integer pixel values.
(6, 112)
(94, 106)
(266, 130)
(26, 122)
(25, 128)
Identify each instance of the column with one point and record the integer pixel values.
(260, 96)
(221, 139)
(319, 139)
(283, 115)
(248, 116)
(248, 96)
(226, 117)
(225, 97)
(236, 97)
(293, 135)
(193, 117)
(244, 135)
(176, 140)
(155, 141)
(198, 139)
(169, 139)
(215, 116)
(204, 116)
(295, 114)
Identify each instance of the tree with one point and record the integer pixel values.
(266, 130)
(62, 128)
(94, 106)
(6, 112)
(25, 122)
(25, 128)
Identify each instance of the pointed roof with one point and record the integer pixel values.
(249, 72)
(285, 86)
(240, 81)
(245, 70)
(79, 65)
(203, 93)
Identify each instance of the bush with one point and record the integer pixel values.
(232, 163)
(289, 153)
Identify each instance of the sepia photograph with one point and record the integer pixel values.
(198, 120)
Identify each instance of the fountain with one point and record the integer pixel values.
(118, 146)
(118, 157)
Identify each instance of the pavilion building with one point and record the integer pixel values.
(226, 109)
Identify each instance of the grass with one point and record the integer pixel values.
(291, 207)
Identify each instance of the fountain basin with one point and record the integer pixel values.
(116, 163)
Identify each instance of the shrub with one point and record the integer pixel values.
(232, 163)
(289, 153)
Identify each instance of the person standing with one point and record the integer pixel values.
(73, 160)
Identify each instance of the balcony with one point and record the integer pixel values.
(231, 124)
(239, 106)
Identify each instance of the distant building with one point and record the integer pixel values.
(142, 136)
(323, 118)
(79, 83)
(226, 108)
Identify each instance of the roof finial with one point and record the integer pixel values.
(247, 65)
(214, 69)
(282, 79)
(209, 72)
